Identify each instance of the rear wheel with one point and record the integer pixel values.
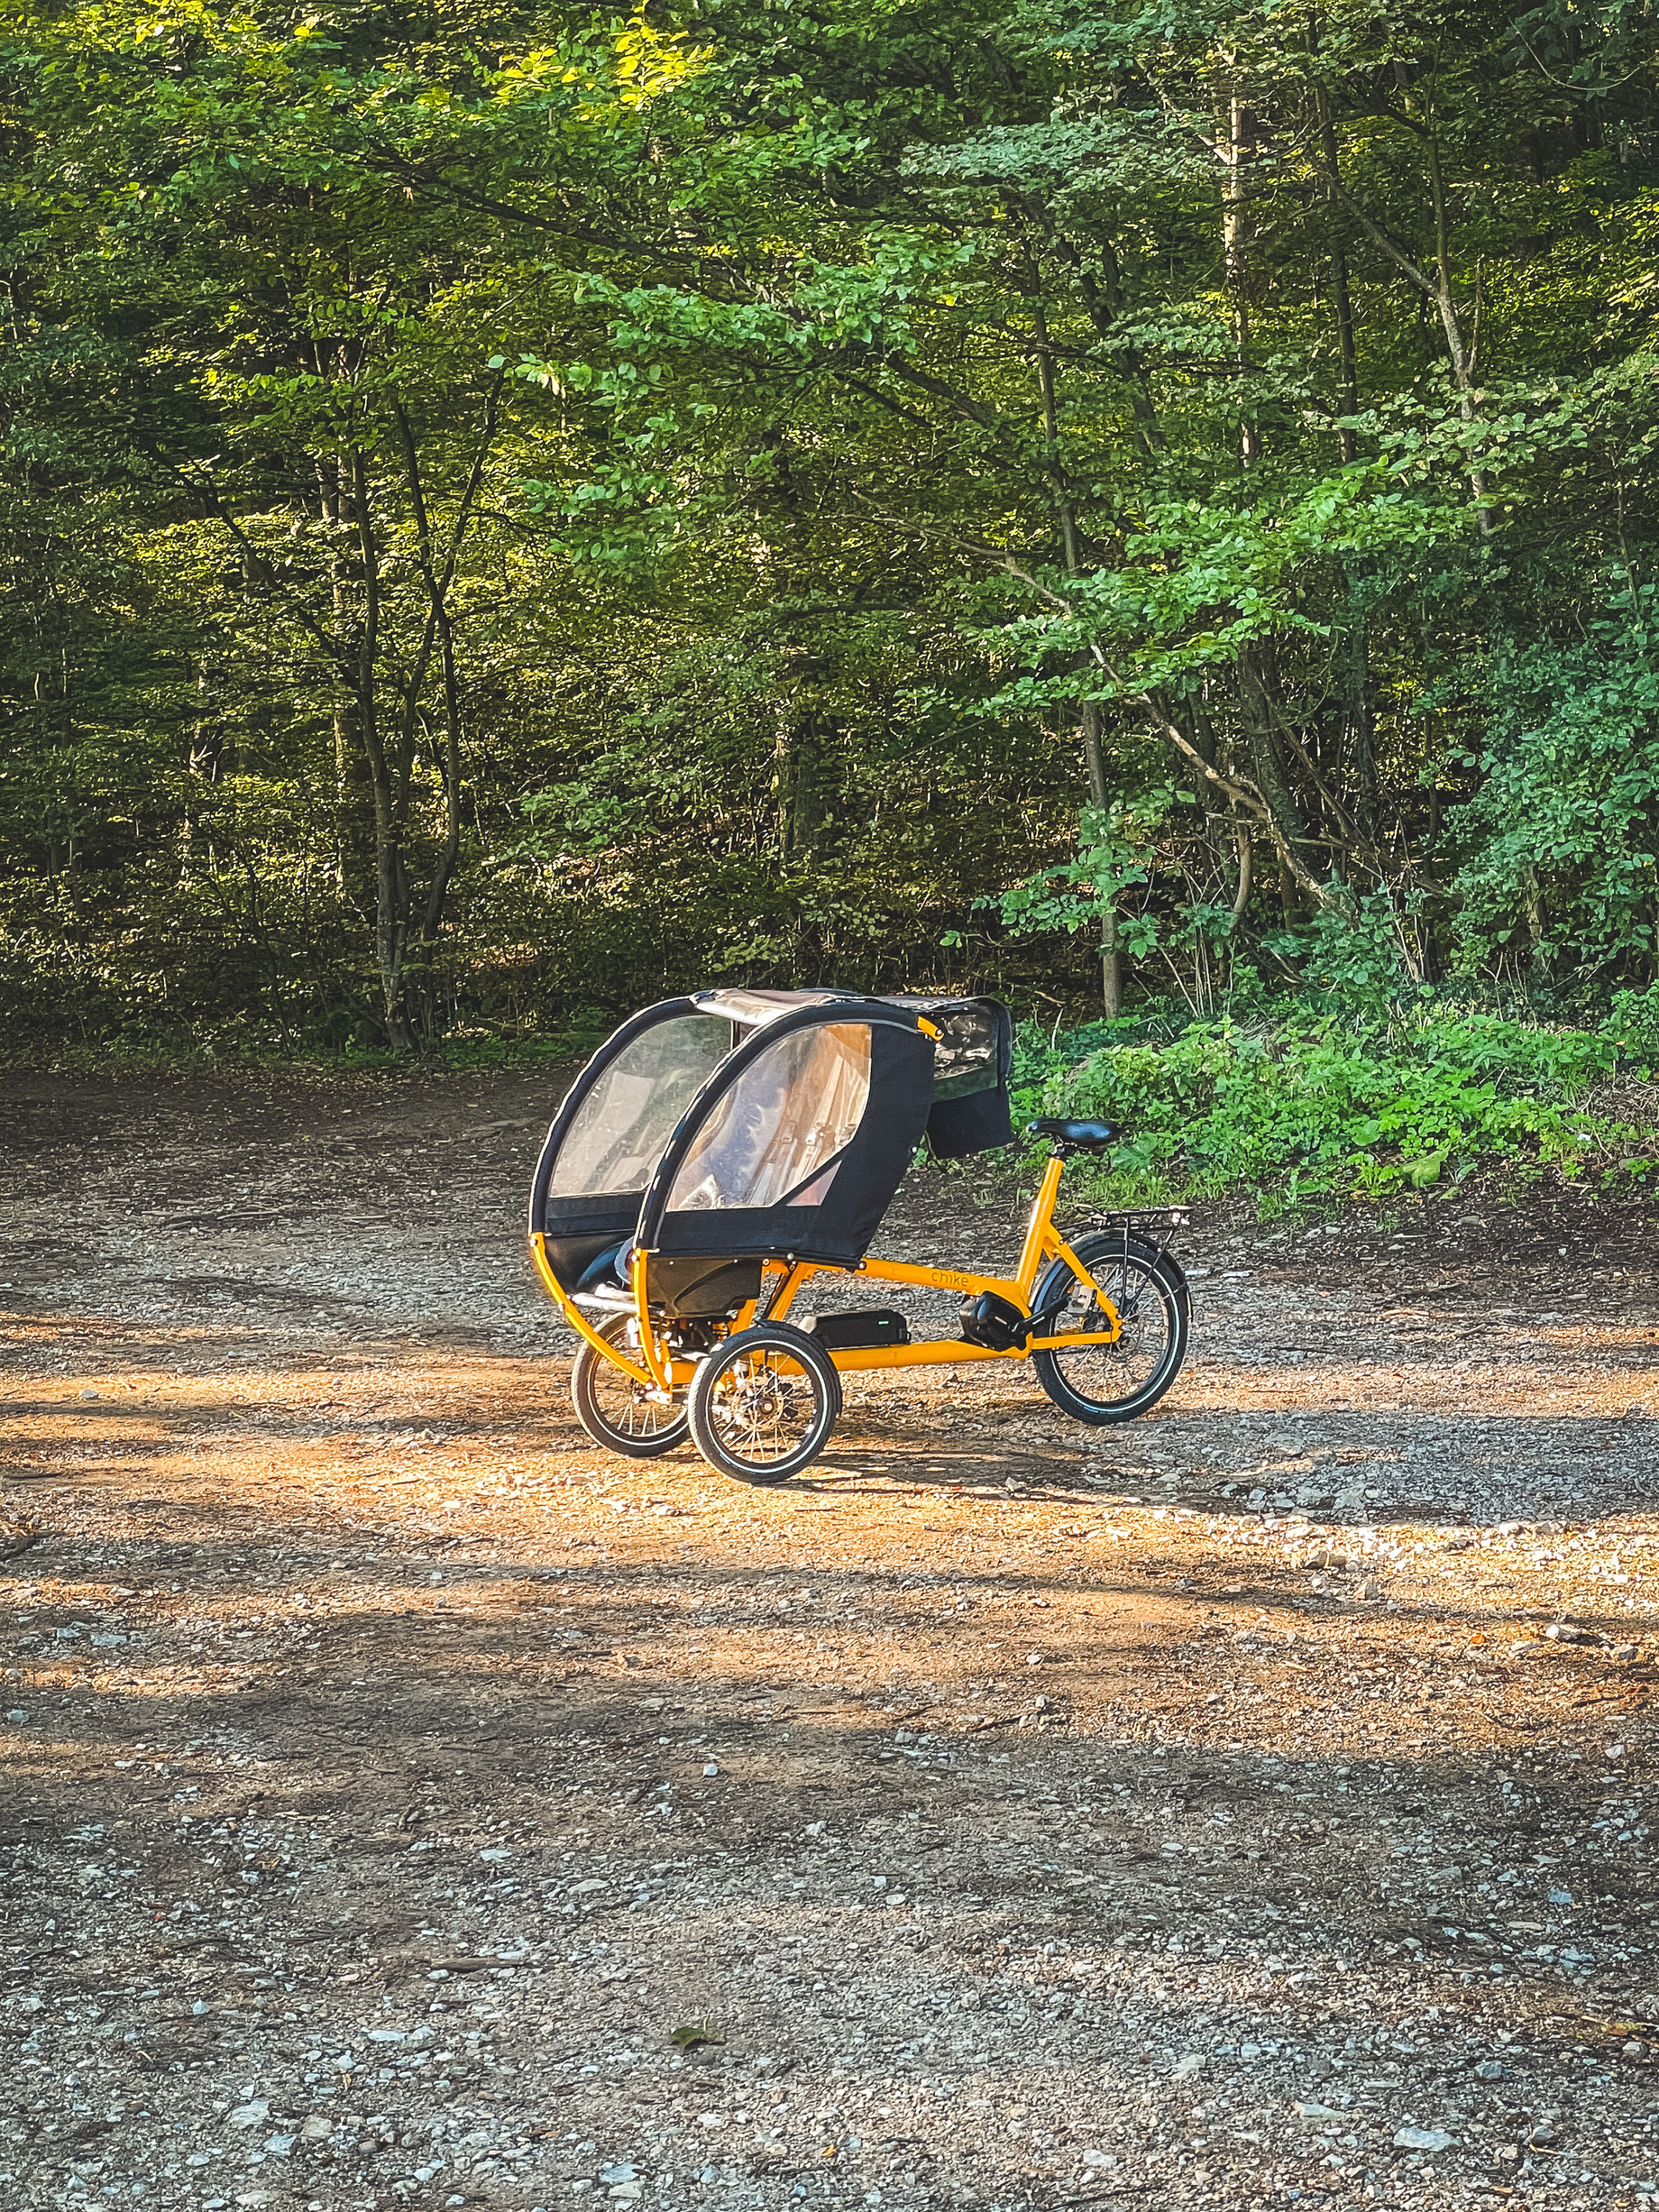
(1100, 1383)
(763, 1403)
(617, 1412)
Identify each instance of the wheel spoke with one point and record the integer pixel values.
(1121, 1378)
(618, 1410)
(762, 1410)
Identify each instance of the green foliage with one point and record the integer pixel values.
(1292, 1101)
(1352, 957)
(1075, 894)
(1569, 801)
(505, 512)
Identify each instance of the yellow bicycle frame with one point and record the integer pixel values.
(661, 1374)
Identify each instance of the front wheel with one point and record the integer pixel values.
(617, 1412)
(1100, 1383)
(763, 1403)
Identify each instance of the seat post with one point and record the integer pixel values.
(1037, 1230)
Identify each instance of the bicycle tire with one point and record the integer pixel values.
(650, 1430)
(763, 1403)
(1141, 1273)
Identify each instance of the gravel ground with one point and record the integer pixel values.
(404, 1803)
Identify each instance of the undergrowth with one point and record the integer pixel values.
(1297, 1098)
(1298, 1101)
(222, 1053)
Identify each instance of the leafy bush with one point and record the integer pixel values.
(1300, 1103)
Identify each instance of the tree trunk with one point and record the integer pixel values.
(438, 575)
(1241, 890)
(1340, 295)
(1237, 145)
(1111, 962)
(1111, 967)
(387, 787)
(1362, 726)
(797, 776)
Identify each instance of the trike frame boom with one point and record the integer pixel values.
(783, 1281)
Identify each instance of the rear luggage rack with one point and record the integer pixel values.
(1153, 1223)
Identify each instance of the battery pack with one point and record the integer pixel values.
(866, 1330)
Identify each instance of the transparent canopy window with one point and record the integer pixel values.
(783, 1122)
(622, 1126)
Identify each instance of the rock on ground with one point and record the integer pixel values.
(404, 1803)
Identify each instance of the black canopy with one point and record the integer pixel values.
(971, 1061)
(758, 1124)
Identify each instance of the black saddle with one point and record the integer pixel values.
(1075, 1136)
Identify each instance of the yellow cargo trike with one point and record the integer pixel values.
(726, 1154)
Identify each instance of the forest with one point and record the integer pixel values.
(507, 511)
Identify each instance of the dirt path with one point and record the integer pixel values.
(1197, 1814)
